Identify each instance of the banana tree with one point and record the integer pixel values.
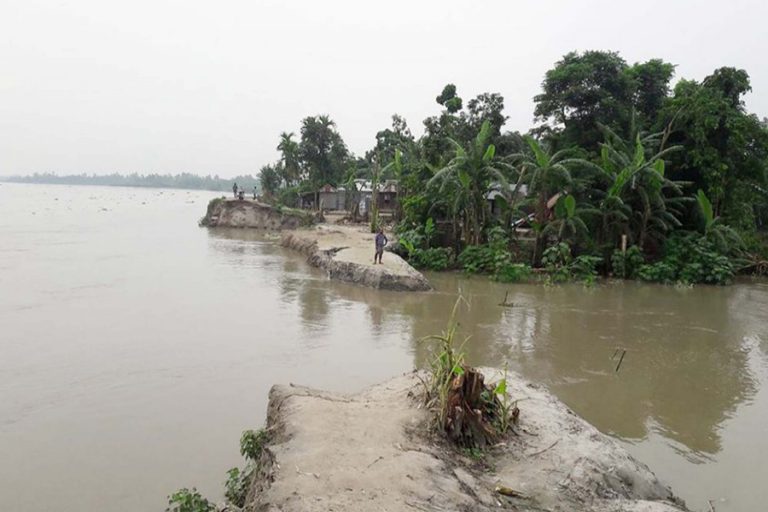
(722, 236)
(569, 223)
(547, 175)
(465, 181)
(639, 200)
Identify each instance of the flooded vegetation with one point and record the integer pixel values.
(137, 347)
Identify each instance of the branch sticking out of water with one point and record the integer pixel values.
(621, 360)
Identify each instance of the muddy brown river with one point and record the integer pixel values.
(135, 347)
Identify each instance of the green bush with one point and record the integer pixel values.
(185, 500)
(288, 197)
(557, 260)
(436, 258)
(690, 259)
(252, 442)
(659, 272)
(626, 264)
(489, 258)
(236, 486)
(584, 268)
(477, 259)
(512, 272)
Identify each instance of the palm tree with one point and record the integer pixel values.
(289, 150)
(465, 181)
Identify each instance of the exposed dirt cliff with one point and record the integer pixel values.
(234, 213)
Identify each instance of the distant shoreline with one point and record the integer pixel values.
(183, 181)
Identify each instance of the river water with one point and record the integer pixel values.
(135, 347)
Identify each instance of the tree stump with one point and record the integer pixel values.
(470, 408)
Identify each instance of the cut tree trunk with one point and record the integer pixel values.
(466, 420)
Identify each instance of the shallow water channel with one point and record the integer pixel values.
(135, 347)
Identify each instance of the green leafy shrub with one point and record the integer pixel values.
(414, 245)
(492, 258)
(185, 500)
(698, 260)
(236, 486)
(690, 259)
(513, 272)
(708, 267)
(289, 197)
(626, 264)
(477, 259)
(584, 268)
(436, 258)
(659, 272)
(557, 260)
(252, 442)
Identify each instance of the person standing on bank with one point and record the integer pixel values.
(234, 190)
(381, 241)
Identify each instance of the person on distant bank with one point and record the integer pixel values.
(381, 241)
(234, 190)
(254, 192)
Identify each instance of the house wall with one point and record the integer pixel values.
(332, 200)
(386, 201)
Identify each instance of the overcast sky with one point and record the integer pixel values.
(207, 86)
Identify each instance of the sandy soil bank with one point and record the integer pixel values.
(373, 452)
(234, 213)
(346, 252)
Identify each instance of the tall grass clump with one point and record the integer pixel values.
(470, 413)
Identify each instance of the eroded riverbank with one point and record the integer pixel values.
(346, 253)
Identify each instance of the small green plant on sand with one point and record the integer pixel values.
(252, 442)
(236, 486)
(508, 411)
(185, 500)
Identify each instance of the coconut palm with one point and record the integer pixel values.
(289, 157)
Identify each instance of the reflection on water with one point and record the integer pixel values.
(136, 346)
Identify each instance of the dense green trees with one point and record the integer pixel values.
(322, 151)
(621, 174)
(586, 90)
(270, 180)
(726, 149)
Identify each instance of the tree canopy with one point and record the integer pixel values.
(618, 160)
